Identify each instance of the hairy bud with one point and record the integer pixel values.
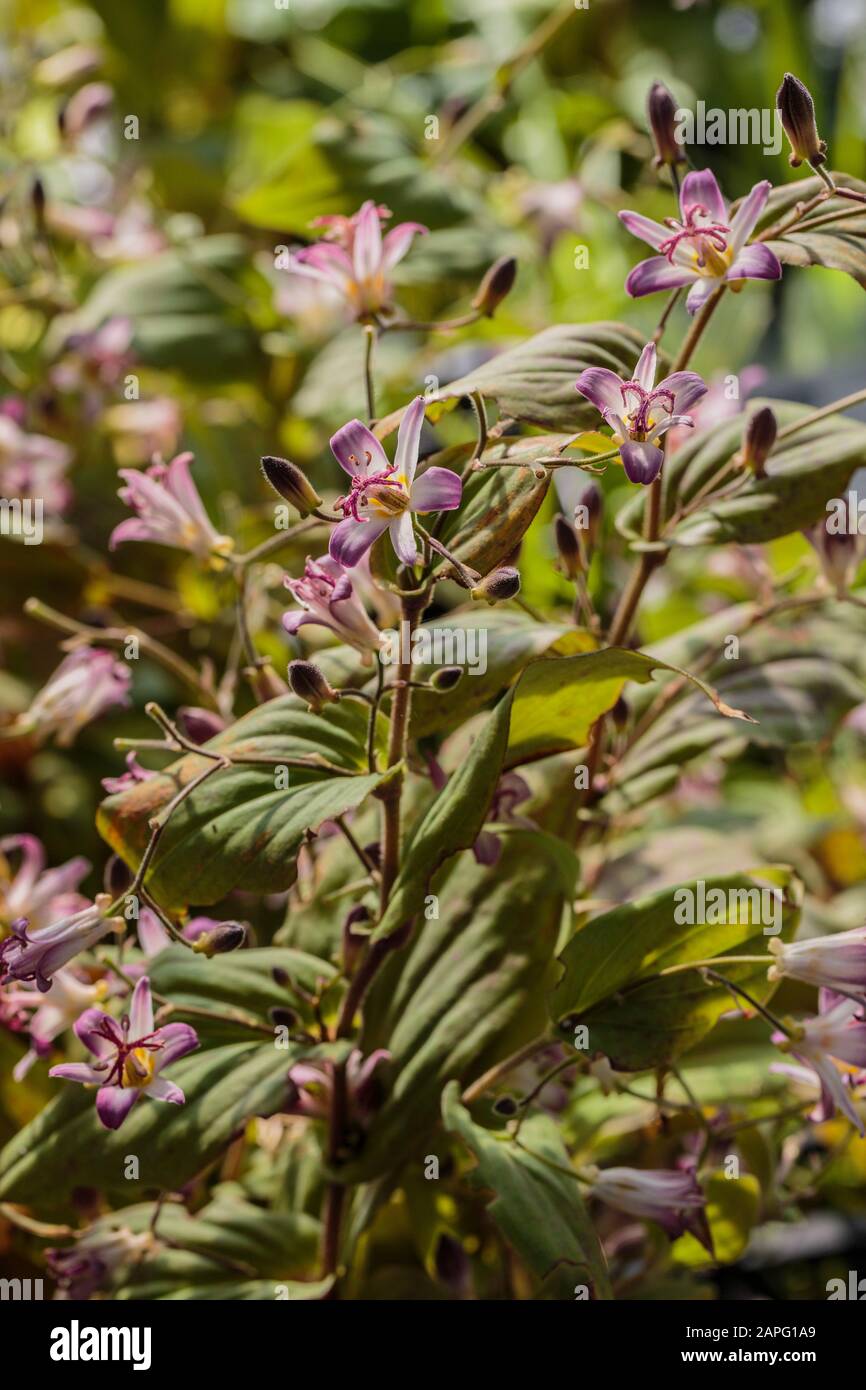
(292, 484)
(228, 936)
(496, 283)
(662, 115)
(446, 678)
(498, 585)
(309, 683)
(758, 441)
(797, 110)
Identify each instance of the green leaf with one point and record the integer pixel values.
(183, 305)
(833, 234)
(733, 1208)
(466, 991)
(556, 702)
(612, 980)
(803, 471)
(538, 1209)
(534, 381)
(237, 830)
(499, 506)
(452, 823)
(65, 1146)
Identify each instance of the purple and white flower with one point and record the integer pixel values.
(86, 683)
(130, 1057)
(312, 1085)
(640, 413)
(836, 962)
(355, 259)
(328, 599)
(384, 495)
(839, 1034)
(39, 894)
(706, 247)
(82, 1268)
(38, 955)
(46, 1016)
(134, 774)
(168, 511)
(670, 1197)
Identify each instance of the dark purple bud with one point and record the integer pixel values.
(373, 851)
(37, 197)
(839, 552)
(568, 547)
(797, 110)
(281, 976)
(356, 934)
(619, 713)
(662, 115)
(309, 683)
(487, 848)
(446, 678)
(758, 441)
(453, 1266)
(228, 936)
(199, 725)
(283, 1018)
(116, 877)
(587, 515)
(292, 485)
(506, 1106)
(500, 584)
(496, 283)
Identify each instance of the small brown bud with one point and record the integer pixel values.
(292, 484)
(446, 678)
(797, 110)
(500, 584)
(228, 936)
(568, 546)
(265, 682)
(505, 1106)
(619, 713)
(496, 283)
(758, 441)
(662, 116)
(310, 684)
(199, 725)
(356, 935)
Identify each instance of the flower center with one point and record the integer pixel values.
(139, 1067)
(639, 418)
(710, 250)
(372, 491)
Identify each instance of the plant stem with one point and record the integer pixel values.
(369, 345)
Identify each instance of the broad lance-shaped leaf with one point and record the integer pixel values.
(833, 234)
(534, 381)
(551, 708)
(805, 469)
(537, 1207)
(467, 990)
(499, 506)
(242, 828)
(612, 981)
(65, 1146)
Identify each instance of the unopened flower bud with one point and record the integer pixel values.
(446, 678)
(265, 682)
(505, 1106)
(662, 115)
(281, 976)
(355, 938)
(587, 515)
(37, 197)
(797, 110)
(310, 684)
(373, 851)
(228, 936)
(283, 1017)
(498, 585)
(199, 725)
(568, 546)
(758, 441)
(619, 713)
(496, 283)
(117, 877)
(292, 485)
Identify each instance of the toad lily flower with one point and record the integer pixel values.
(840, 1034)
(639, 412)
(87, 683)
(355, 259)
(383, 495)
(39, 894)
(130, 1055)
(327, 598)
(169, 511)
(836, 962)
(84, 1267)
(706, 248)
(668, 1196)
(38, 956)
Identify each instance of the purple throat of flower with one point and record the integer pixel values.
(360, 483)
(716, 233)
(125, 1046)
(639, 419)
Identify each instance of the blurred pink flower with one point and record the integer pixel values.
(87, 682)
(354, 258)
(39, 894)
(169, 511)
